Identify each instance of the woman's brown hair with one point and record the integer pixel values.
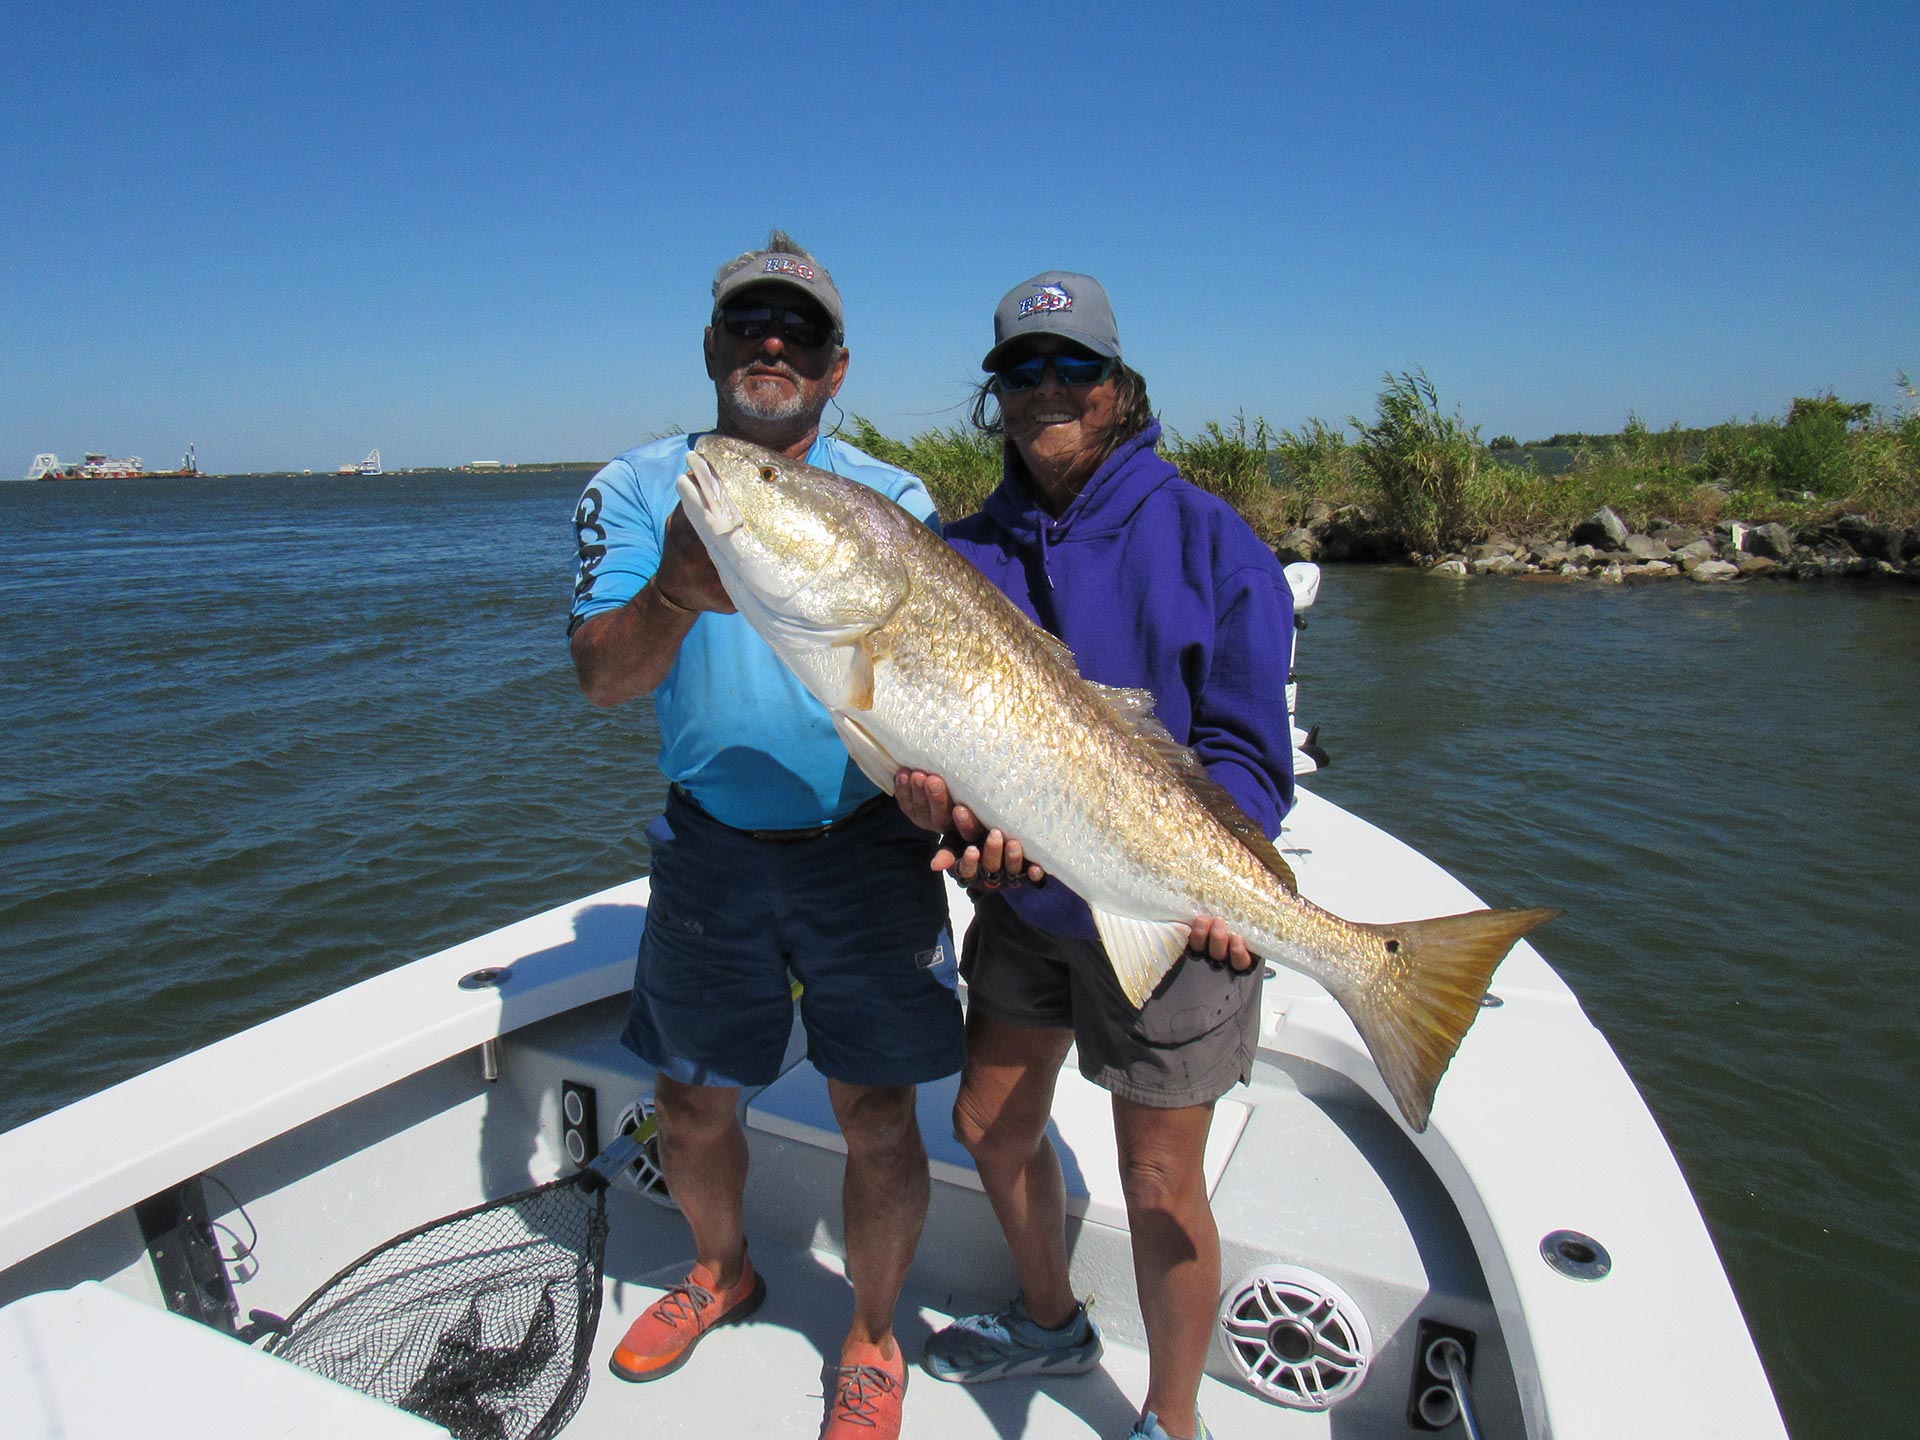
(1132, 413)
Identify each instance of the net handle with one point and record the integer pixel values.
(622, 1152)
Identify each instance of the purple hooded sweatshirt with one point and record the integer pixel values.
(1154, 584)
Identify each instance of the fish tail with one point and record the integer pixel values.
(1417, 1013)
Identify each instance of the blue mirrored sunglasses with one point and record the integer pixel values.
(754, 322)
(1074, 370)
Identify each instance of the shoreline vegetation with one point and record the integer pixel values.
(1831, 489)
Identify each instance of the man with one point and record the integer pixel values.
(775, 856)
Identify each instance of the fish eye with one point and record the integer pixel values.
(767, 472)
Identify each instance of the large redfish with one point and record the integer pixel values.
(924, 664)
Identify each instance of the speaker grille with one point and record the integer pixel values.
(1297, 1338)
(644, 1174)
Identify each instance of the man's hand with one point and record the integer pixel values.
(686, 576)
(924, 800)
(624, 653)
(976, 854)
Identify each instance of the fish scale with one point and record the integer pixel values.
(924, 665)
(991, 743)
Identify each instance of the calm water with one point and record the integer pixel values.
(263, 738)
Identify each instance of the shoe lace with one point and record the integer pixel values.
(683, 1303)
(980, 1339)
(861, 1388)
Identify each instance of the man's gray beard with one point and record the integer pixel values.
(736, 404)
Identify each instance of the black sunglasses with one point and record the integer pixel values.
(1071, 370)
(757, 321)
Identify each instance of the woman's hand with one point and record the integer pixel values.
(1213, 942)
(977, 855)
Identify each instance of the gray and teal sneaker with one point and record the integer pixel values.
(1148, 1427)
(978, 1348)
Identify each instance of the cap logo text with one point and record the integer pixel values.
(787, 265)
(1049, 298)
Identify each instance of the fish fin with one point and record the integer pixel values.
(1136, 708)
(1428, 992)
(1057, 649)
(849, 684)
(860, 675)
(1132, 704)
(1223, 807)
(1140, 951)
(868, 753)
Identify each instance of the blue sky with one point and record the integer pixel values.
(293, 233)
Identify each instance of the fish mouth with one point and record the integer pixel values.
(702, 489)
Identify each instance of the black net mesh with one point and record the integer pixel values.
(481, 1322)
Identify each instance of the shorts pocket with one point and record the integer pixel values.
(1196, 1002)
(679, 907)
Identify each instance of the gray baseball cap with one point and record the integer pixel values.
(781, 263)
(1054, 302)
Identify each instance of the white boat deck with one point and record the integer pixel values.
(1319, 1179)
(764, 1377)
(345, 1123)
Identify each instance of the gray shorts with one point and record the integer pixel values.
(1188, 1045)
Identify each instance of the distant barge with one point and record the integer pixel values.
(107, 467)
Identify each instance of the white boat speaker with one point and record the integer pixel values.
(1296, 1337)
(644, 1174)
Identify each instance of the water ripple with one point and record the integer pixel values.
(1719, 785)
(313, 729)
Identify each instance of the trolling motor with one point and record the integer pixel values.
(1303, 579)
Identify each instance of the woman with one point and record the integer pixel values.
(1154, 584)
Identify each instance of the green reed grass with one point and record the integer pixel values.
(1427, 464)
(1421, 474)
(960, 465)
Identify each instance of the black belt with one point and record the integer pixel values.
(792, 837)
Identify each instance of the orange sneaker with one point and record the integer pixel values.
(659, 1342)
(868, 1391)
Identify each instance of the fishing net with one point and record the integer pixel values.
(481, 1322)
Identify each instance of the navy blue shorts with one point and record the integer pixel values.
(855, 915)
